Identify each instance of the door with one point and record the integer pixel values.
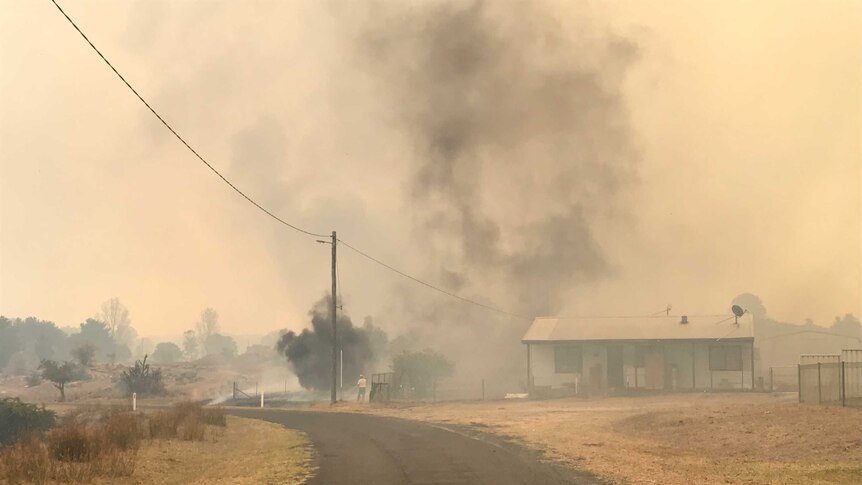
(654, 363)
(616, 376)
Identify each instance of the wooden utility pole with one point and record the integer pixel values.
(333, 396)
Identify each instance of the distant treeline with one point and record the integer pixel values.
(24, 343)
(106, 338)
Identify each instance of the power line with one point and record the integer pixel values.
(253, 202)
(180, 138)
(429, 285)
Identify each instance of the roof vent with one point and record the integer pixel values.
(684, 320)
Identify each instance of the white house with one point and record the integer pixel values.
(666, 352)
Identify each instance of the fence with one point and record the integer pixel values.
(383, 389)
(782, 378)
(836, 383)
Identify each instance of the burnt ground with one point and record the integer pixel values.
(353, 448)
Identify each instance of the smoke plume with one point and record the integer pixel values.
(522, 143)
(310, 352)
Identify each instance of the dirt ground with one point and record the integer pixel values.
(671, 439)
(247, 451)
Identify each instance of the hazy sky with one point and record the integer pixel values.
(746, 118)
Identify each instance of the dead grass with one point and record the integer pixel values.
(94, 442)
(673, 439)
(247, 451)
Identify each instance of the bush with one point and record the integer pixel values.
(418, 371)
(18, 418)
(142, 380)
(33, 379)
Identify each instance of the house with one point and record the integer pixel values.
(662, 353)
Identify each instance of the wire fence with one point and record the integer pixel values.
(831, 383)
(784, 378)
(384, 389)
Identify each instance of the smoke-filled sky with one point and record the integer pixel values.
(577, 157)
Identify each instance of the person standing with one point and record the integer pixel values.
(361, 385)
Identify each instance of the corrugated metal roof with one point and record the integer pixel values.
(637, 328)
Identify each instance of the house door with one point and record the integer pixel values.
(654, 363)
(616, 377)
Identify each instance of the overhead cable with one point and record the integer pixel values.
(177, 135)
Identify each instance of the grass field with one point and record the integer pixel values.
(246, 451)
(671, 439)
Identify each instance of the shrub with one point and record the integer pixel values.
(142, 380)
(73, 441)
(420, 370)
(18, 418)
(33, 379)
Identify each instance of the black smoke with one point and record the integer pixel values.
(522, 140)
(310, 351)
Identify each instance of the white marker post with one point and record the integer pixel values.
(134, 401)
(261, 399)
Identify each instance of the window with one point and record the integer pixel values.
(640, 355)
(725, 357)
(567, 359)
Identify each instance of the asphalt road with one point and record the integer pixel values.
(355, 448)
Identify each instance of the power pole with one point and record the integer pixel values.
(333, 397)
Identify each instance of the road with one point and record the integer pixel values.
(354, 448)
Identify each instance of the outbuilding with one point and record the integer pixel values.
(589, 354)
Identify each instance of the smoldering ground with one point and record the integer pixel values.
(310, 351)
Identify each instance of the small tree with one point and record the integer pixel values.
(420, 370)
(220, 346)
(207, 325)
(190, 344)
(167, 352)
(142, 380)
(85, 354)
(18, 418)
(59, 374)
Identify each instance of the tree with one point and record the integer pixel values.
(207, 325)
(9, 343)
(115, 315)
(418, 371)
(220, 346)
(84, 354)
(167, 352)
(59, 374)
(97, 334)
(190, 345)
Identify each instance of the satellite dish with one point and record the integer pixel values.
(737, 310)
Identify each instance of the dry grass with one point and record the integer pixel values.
(247, 451)
(673, 439)
(94, 442)
(186, 420)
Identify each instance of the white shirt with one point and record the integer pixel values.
(361, 382)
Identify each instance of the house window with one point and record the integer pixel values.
(640, 355)
(567, 359)
(725, 357)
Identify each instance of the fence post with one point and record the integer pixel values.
(799, 381)
(843, 386)
(434, 391)
(483, 389)
(771, 379)
(819, 389)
